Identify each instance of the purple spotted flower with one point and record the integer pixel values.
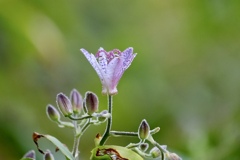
(110, 66)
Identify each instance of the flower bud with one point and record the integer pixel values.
(48, 156)
(77, 102)
(155, 130)
(172, 156)
(64, 105)
(91, 100)
(97, 139)
(155, 152)
(143, 146)
(30, 154)
(143, 130)
(53, 113)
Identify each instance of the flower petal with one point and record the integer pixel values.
(102, 60)
(92, 60)
(110, 66)
(114, 73)
(128, 57)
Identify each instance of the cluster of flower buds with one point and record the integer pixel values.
(76, 108)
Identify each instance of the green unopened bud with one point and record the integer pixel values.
(155, 130)
(53, 113)
(143, 130)
(172, 156)
(48, 156)
(77, 102)
(91, 100)
(155, 152)
(30, 154)
(64, 105)
(143, 147)
(97, 139)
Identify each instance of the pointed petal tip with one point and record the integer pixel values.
(85, 52)
(82, 50)
(129, 49)
(100, 48)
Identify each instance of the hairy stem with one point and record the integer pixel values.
(77, 136)
(75, 148)
(79, 118)
(109, 122)
(131, 134)
(123, 133)
(76, 140)
(163, 150)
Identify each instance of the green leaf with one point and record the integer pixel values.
(60, 146)
(119, 152)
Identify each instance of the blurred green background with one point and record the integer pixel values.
(185, 78)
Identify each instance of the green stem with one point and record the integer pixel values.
(79, 118)
(151, 140)
(131, 134)
(85, 127)
(109, 122)
(162, 150)
(77, 137)
(76, 140)
(75, 146)
(123, 133)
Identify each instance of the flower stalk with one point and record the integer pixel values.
(77, 135)
(109, 121)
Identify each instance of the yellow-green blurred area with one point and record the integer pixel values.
(185, 78)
